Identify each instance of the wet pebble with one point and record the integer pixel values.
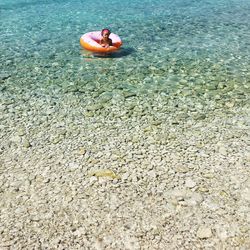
(204, 232)
(189, 183)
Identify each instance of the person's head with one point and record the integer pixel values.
(105, 33)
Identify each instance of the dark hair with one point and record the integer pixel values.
(103, 30)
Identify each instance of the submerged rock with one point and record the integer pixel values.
(4, 76)
(189, 183)
(26, 143)
(105, 173)
(204, 232)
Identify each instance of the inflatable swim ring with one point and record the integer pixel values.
(90, 41)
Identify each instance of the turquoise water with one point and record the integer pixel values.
(168, 45)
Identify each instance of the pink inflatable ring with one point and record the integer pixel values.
(91, 41)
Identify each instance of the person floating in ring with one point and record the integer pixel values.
(106, 41)
(102, 41)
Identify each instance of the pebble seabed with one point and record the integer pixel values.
(85, 164)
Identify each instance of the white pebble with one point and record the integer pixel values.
(204, 232)
(189, 183)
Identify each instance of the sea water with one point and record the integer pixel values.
(168, 46)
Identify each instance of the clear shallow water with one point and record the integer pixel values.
(168, 45)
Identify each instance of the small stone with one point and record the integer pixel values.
(189, 183)
(151, 174)
(244, 229)
(247, 156)
(194, 200)
(217, 97)
(222, 150)
(211, 204)
(212, 87)
(55, 64)
(204, 232)
(105, 173)
(46, 180)
(148, 129)
(182, 169)
(203, 189)
(15, 139)
(135, 139)
(208, 175)
(56, 140)
(245, 194)
(94, 107)
(69, 199)
(222, 233)
(223, 193)
(21, 132)
(80, 231)
(229, 104)
(128, 94)
(178, 193)
(156, 123)
(89, 114)
(125, 176)
(7, 244)
(73, 166)
(4, 76)
(200, 117)
(26, 143)
(93, 179)
(82, 151)
(105, 97)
